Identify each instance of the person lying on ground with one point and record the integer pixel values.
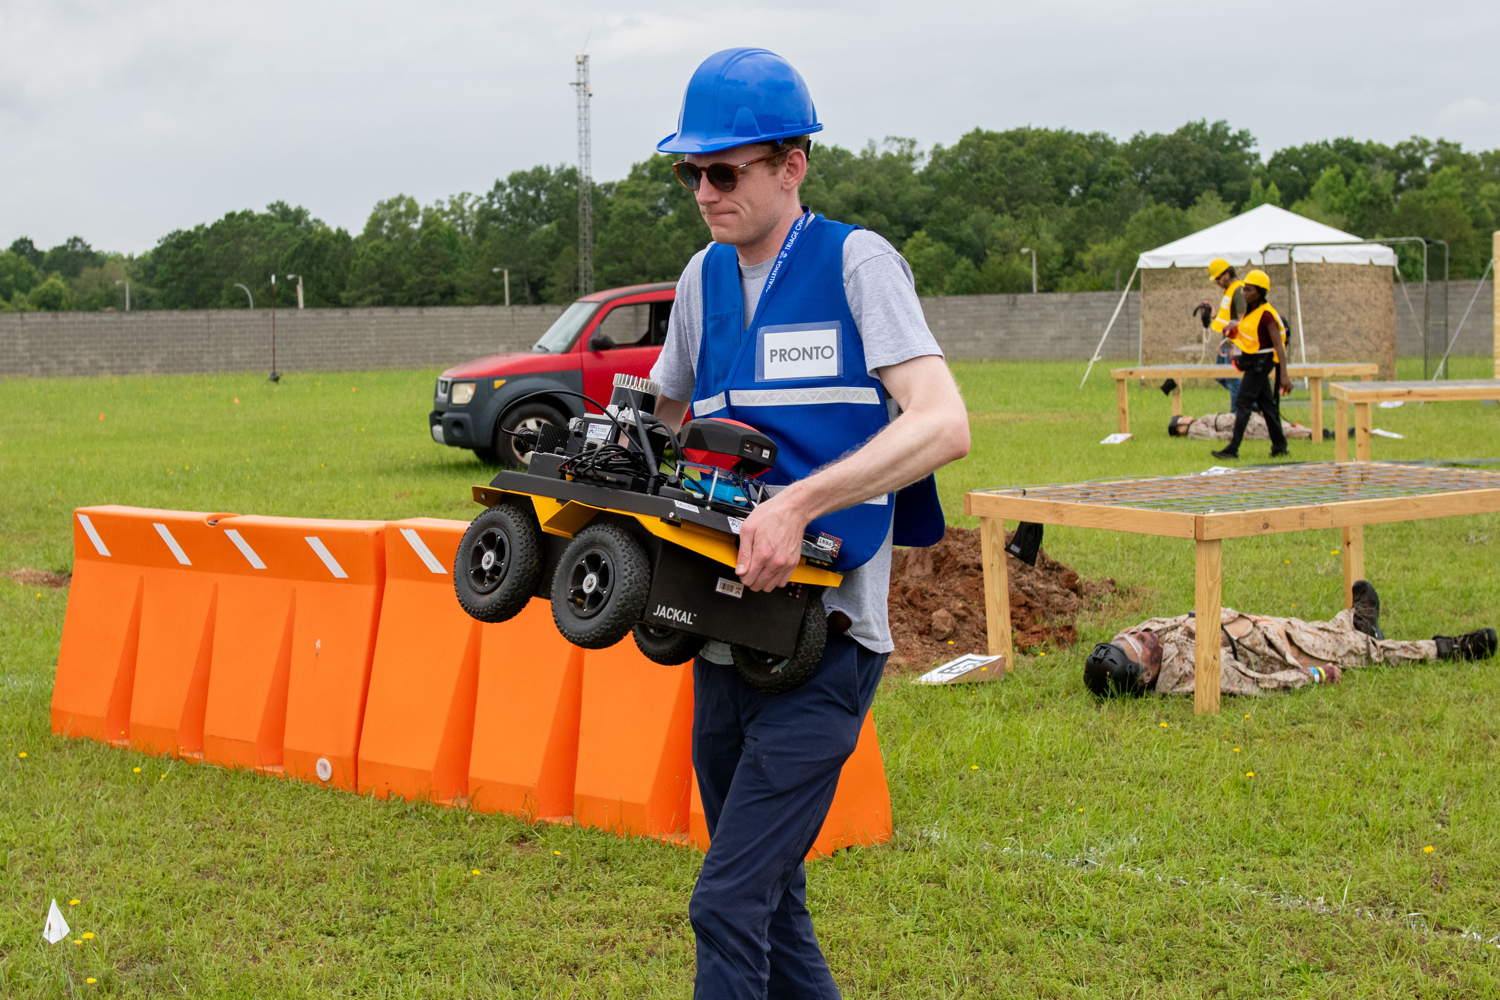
(1220, 427)
(1260, 653)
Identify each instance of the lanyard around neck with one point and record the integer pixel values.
(787, 246)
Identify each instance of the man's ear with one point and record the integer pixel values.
(793, 169)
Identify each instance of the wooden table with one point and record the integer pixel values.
(1208, 508)
(1314, 373)
(1362, 394)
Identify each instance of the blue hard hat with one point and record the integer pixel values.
(740, 96)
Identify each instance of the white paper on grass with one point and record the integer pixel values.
(1217, 470)
(56, 928)
(1378, 432)
(958, 668)
(1118, 437)
(1390, 404)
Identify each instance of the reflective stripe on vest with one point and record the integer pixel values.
(1225, 315)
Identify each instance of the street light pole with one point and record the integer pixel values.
(497, 270)
(121, 281)
(247, 293)
(299, 287)
(275, 375)
(1033, 267)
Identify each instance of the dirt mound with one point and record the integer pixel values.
(937, 595)
(38, 578)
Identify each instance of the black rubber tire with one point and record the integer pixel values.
(776, 674)
(498, 563)
(599, 590)
(507, 450)
(664, 645)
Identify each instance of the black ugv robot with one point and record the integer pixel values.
(628, 526)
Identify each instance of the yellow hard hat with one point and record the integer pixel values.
(1216, 267)
(1259, 279)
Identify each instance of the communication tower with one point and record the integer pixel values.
(585, 180)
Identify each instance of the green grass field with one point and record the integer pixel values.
(1045, 846)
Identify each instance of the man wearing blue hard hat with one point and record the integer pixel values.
(810, 331)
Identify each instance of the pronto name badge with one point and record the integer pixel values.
(800, 353)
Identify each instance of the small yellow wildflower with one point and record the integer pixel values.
(1245, 716)
(1163, 725)
(76, 941)
(23, 755)
(91, 980)
(1236, 749)
(475, 871)
(557, 854)
(1428, 849)
(1080, 808)
(950, 641)
(135, 770)
(74, 902)
(1249, 774)
(1333, 552)
(973, 767)
(87, 935)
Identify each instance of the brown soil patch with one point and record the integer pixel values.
(937, 595)
(38, 578)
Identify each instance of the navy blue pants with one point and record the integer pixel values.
(767, 768)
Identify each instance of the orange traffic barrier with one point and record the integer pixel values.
(461, 711)
(861, 810)
(292, 637)
(131, 665)
(634, 760)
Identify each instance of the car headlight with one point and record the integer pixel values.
(461, 393)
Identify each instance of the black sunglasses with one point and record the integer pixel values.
(723, 176)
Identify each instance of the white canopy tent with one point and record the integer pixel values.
(1264, 235)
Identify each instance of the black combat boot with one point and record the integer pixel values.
(1226, 453)
(1367, 609)
(1476, 645)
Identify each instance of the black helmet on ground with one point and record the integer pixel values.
(1108, 672)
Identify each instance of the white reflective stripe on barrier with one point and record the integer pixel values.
(251, 556)
(166, 536)
(863, 395)
(322, 552)
(423, 552)
(93, 533)
(712, 404)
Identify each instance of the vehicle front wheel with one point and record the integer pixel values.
(777, 674)
(509, 450)
(599, 590)
(664, 645)
(498, 563)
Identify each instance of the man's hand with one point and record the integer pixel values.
(1284, 382)
(1231, 330)
(770, 544)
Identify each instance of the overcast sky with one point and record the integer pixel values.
(122, 121)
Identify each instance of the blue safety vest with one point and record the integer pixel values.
(797, 373)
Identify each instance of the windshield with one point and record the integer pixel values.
(561, 334)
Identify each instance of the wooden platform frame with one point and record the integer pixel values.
(1363, 395)
(1314, 373)
(1207, 509)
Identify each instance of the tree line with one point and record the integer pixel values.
(1086, 203)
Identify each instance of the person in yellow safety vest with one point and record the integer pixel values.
(1231, 308)
(1258, 335)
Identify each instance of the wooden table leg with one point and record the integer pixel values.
(1362, 425)
(1354, 561)
(1208, 600)
(1340, 431)
(1122, 404)
(1177, 400)
(996, 589)
(1315, 393)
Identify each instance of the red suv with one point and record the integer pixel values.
(480, 404)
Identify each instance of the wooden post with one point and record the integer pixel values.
(1177, 400)
(1122, 404)
(1208, 562)
(1362, 424)
(1315, 393)
(1354, 561)
(1495, 253)
(996, 589)
(1340, 430)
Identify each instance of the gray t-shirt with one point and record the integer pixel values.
(883, 299)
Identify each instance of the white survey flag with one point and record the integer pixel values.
(56, 927)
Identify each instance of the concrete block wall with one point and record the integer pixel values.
(969, 327)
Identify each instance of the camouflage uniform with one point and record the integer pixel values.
(1268, 654)
(1220, 427)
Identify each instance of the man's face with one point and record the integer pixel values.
(756, 205)
(1224, 279)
